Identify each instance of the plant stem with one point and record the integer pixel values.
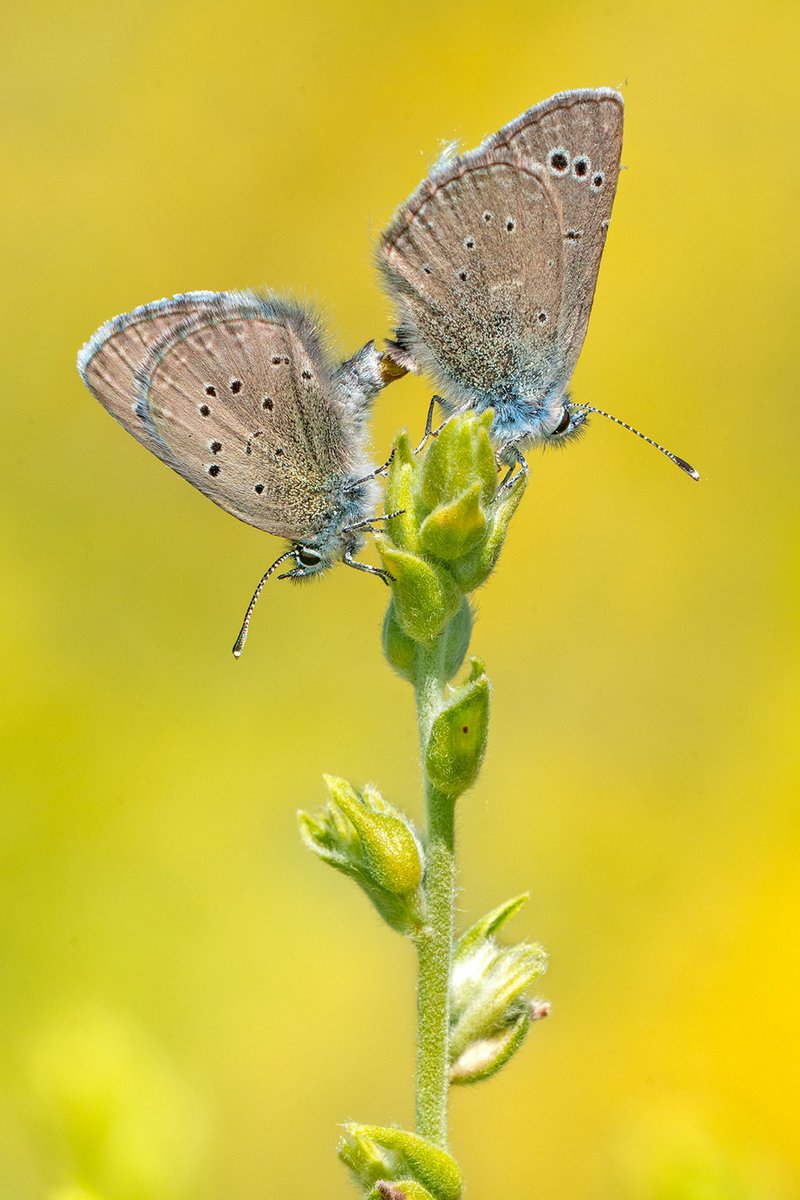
(435, 942)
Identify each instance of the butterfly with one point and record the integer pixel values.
(236, 392)
(492, 265)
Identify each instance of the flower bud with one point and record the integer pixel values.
(484, 1057)
(404, 1189)
(490, 1011)
(377, 1155)
(444, 541)
(453, 529)
(375, 844)
(455, 640)
(457, 740)
(461, 454)
(401, 495)
(474, 568)
(368, 1160)
(402, 651)
(399, 648)
(425, 595)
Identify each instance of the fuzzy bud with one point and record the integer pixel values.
(404, 1189)
(380, 1156)
(491, 1012)
(457, 741)
(375, 844)
(425, 595)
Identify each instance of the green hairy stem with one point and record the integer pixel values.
(435, 940)
(449, 520)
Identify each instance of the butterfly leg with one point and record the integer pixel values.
(428, 425)
(367, 523)
(429, 430)
(356, 483)
(358, 566)
(518, 467)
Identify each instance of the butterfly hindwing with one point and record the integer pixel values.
(111, 359)
(241, 402)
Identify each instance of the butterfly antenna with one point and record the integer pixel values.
(679, 462)
(238, 645)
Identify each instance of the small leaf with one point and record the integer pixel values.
(486, 926)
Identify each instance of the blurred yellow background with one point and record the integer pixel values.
(190, 1002)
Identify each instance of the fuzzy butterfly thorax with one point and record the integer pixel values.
(351, 501)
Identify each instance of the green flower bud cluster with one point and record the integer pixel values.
(397, 1165)
(450, 523)
(365, 837)
(451, 518)
(490, 1010)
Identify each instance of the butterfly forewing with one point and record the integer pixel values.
(240, 402)
(110, 360)
(474, 261)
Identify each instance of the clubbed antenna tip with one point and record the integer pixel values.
(238, 645)
(679, 462)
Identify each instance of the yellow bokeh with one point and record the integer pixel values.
(190, 1003)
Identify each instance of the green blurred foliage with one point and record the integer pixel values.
(642, 774)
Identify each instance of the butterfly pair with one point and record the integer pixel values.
(492, 265)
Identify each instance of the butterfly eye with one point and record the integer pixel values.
(564, 424)
(307, 558)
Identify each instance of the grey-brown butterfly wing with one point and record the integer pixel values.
(239, 400)
(577, 135)
(473, 260)
(109, 362)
